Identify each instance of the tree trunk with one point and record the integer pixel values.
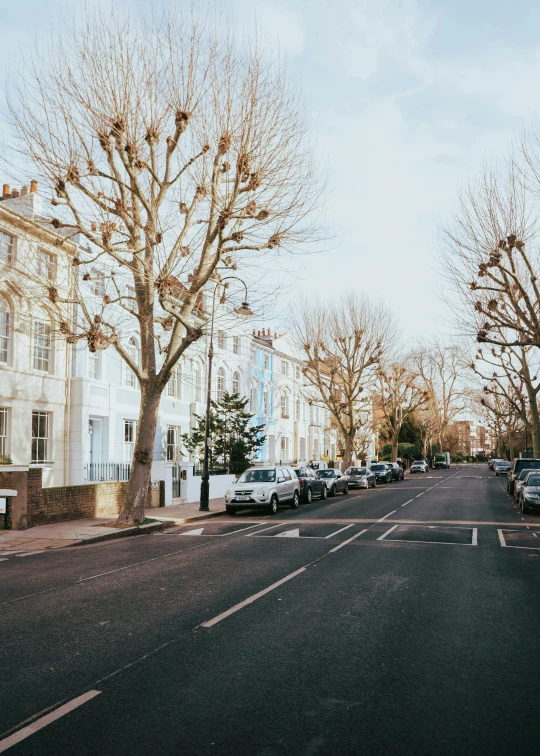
(395, 446)
(349, 448)
(141, 466)
(535, 421)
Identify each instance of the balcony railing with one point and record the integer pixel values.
(99, 472)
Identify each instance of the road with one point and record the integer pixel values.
(401, 620)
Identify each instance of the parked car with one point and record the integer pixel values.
(519, 482)
(266, 487)
(383, 473)
(529, 496)
(360, 477)
(310, 484)
(493, 462)
(518, 465)
(502, 468)
(419, 466)
(397, 470)
(334, 480)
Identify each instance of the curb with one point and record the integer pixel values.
(150, 527)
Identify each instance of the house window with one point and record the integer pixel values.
(266, 403)
(4, 446)
(297, 413)
(236, 383)
(7, 243)
(42, 346)
(284, 404)
(4, 335)
(284, 367)
(40, 436)
(98, 283)
(173, 443)
(130, 378)
(298, 373)
(130, 434)
(311, 414)
(46, 265)
(197, 385)
(93, 365)
(267, 362)
(316, 449)
(130, 301)
(220, 384)
(222, 340)
(284, 449)
(236, 345)
(317, 416)
(174, 386)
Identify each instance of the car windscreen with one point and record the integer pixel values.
(523, 474)
(533, 480)
(258, 476)
(325, 473)
(357, 471)
(532, 464)
(377, 468)
(301, 473)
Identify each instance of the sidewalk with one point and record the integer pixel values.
(77, 532)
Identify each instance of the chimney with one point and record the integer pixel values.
(259, 334)
(275, 335)
(14, 193)
(33, 186)
(5, 192)
(24, 191)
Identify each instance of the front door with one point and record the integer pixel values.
(94, 429)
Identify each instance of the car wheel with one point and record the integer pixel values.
(346, 489)
(230, 510)
(295, 501)
(324, 492)
(308, 498)
(332, 491)
(273, 505)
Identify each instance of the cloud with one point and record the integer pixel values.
(284, 25)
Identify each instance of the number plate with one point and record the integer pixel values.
(242, 498)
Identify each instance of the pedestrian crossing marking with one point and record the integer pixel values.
(289, 534)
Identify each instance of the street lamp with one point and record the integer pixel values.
(245, 312)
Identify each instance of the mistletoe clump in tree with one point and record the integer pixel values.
(174, 154)
(233, 442)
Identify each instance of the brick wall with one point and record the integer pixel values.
(62, 503)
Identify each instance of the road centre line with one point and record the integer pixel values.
(251, 599)
(39, 724)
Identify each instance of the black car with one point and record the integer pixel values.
(517, 466)
(334, 481)
(529, 496)
(310, 484)
(397, 470)
(360, 477)
(383, 473)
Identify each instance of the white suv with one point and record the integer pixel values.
(263, 487)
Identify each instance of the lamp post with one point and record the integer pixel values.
(205, 478)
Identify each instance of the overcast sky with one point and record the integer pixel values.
(407, 98)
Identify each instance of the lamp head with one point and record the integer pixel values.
(244, 310)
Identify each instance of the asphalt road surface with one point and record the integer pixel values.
(401, 620)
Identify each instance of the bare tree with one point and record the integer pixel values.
(511, 379)
(489, 259)
(175, 156)
(400, 394)
(343, 345)
(440, 368)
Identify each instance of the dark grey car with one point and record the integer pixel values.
(360, 477)
(335, 481)
(529, 496)
(397, 470)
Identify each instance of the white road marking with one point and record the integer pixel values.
(250, 535)
(39, 724)
(501, 538)
(384, 518)
(289, 534)
(340, 530)
(251, 599)
(29, 553)
(336, 548)
(381, 538)
(474, 541)
(3, 559)
(196, 532)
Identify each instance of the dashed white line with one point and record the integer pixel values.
(336, 548)
(340, 530)
(39, 724)
(381, 538)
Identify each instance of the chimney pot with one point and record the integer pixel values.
(33, 186)
(5, 191)
(14, 193)
(24, 191)
(258, 333)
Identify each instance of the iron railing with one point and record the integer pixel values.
(98, 472)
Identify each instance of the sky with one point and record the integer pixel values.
(406, 99)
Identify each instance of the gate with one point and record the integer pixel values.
(176, 477)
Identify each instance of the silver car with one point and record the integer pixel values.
(266, 487)
(519, 482)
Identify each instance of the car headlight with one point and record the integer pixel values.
(532, 496)
(229, 493)
(262, 492)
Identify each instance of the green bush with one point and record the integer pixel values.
(5, 460)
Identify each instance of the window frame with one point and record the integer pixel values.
(47, 264)
(221, 378)
(127, 444)
(134, 350)
(44, 446)
(93, 360)
(236, 382)
(45, 356)
(10, 248)
(5, 337)
(5, 436)
(236, 344)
